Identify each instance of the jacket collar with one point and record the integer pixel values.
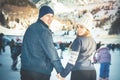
(40, 21)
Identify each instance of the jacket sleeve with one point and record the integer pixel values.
(48, 46)
(71, 62)
(73, 58)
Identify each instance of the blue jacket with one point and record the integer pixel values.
(81, 52)
(38, 51)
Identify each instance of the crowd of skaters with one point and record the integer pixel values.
(114, 46)
(15, 49)
(16, 45)
(111, 46)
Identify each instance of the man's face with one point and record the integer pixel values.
(48, 18)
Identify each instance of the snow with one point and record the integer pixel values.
(12, 75)
(7, 31)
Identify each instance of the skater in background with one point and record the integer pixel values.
(62, 47)
(0, 46)
(98, 45)
(103, 56)
(2, 42)
(15, 48)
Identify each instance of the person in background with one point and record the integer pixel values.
(15, 48)
(103, 56)
(62, 47)
(0, 64)
(98, 45)
(82, 50)
(2, 49)
(1, 45)
(39, 55)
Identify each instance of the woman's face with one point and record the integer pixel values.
(81, 30)
(47, 19)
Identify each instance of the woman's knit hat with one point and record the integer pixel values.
(45, 10)
(87, 21)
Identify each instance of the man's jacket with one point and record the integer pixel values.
(38, 51)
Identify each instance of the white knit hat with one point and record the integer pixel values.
(87, 21)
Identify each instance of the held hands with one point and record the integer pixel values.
(59, 77)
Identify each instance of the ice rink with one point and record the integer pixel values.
(7, 74)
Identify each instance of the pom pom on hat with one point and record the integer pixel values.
(45, 10)
(86, 20)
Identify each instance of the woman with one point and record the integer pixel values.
(82, 49)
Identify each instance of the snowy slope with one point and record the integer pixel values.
(7, 31)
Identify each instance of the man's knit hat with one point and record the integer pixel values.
(86, 21)
(45, 10)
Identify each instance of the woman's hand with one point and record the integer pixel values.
(59, 77)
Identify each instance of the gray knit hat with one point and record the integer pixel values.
(86, 20)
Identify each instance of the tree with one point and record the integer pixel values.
(16, 2)
(115, 27)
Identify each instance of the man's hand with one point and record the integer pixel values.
(59, 77)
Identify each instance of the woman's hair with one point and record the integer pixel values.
(87, 33)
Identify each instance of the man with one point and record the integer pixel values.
(39, 55)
